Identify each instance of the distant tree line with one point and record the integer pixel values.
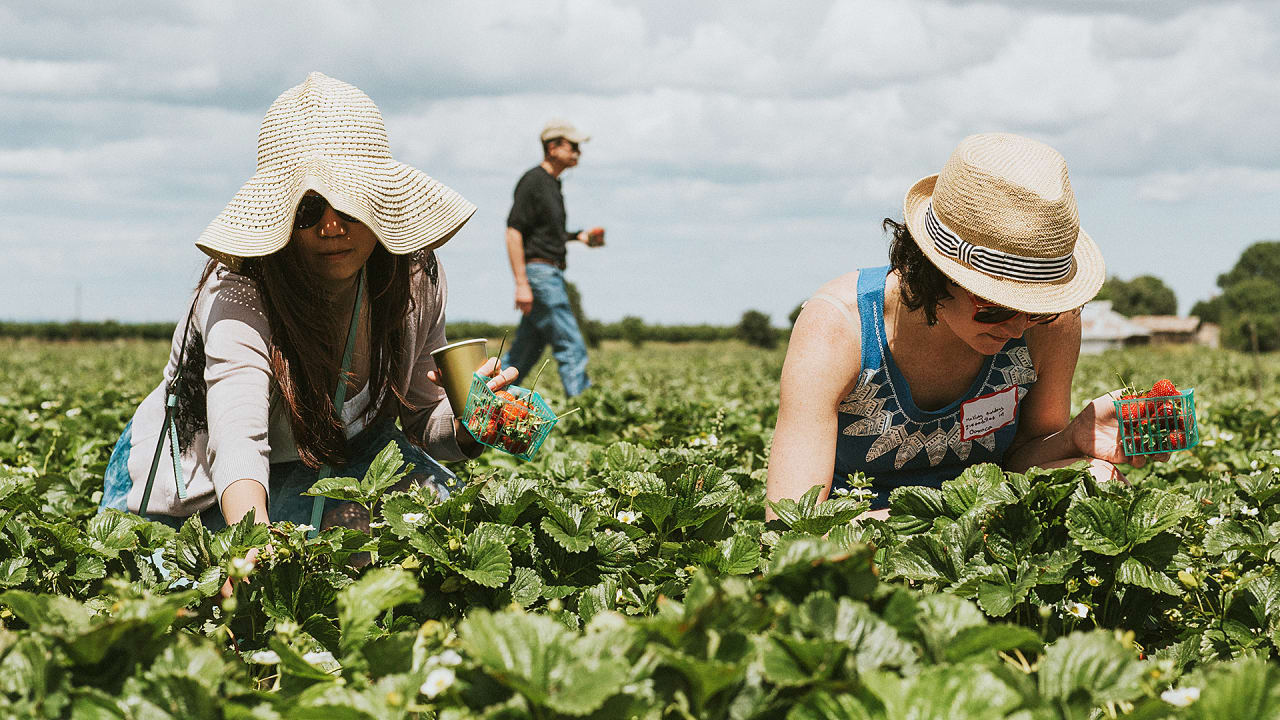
(1143, 295)
(105, 330)
(754, 329)
(1248, 308)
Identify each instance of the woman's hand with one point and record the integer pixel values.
(497, 380)
(250, 557)
(1096, 433)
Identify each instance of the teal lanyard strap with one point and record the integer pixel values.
(339, 398)
(169, 428)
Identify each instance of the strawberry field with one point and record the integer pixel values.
(628, 570)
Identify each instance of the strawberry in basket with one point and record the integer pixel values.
(1161, 419)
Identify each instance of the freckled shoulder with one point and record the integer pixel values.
(844, 287)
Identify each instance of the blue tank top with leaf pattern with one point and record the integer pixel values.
(893, 442)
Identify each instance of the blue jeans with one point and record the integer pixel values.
(289, 479)
(550, 320)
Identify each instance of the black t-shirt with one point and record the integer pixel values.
(538, 213)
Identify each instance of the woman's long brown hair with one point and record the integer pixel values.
(308, 337)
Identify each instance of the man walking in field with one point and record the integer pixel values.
(536, 238)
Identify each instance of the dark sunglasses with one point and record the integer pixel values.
(311, 209)
(996, 314)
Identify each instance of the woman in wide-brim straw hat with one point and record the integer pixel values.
(962, 349)
(323, 260)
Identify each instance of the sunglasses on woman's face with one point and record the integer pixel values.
(992, 314)
(311, 209)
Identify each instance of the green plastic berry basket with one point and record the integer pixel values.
(518, 428)
(1153, 425)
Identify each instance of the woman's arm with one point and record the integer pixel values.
(237, 376)
(1045, 412)
(824, 356)
(1047, 434)
(242, 496)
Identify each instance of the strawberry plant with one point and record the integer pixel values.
(627, 571)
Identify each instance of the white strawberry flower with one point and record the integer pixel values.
(1078, 609)
(448, 658)
(241, 567)
(49, 404)
(265, 657)
(1276, 453)
(305, 528)
(840, 491)
(1250, 511)
(318, 656)
(413, 518)
(437, 681)
(862, 493)
(378, 524)
(1215, 520)
(74, 412)
(1180, 697)
(1227, 435)
(628, 516)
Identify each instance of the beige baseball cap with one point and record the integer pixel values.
(560, 128)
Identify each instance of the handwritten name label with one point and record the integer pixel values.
(988, 413)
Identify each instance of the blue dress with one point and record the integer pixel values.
(893, 442)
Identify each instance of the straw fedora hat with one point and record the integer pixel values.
(328, 136)
(1001, 221)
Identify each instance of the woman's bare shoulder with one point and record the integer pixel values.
(826, 342)
(844, 287)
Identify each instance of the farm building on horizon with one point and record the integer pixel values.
(1102, 328)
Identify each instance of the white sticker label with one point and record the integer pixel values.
(988, 413)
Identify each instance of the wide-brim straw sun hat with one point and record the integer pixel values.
(328, 136)
(1001, 221)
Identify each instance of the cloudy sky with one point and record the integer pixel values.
(743, 152)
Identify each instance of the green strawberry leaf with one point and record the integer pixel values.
(360, 602)
(1152, 511)
(1090, 668)
(738, 555)
(571, 527)
(487, 559)
(1098, 524)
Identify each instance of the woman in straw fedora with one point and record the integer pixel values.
(322, 262)
(962, 349)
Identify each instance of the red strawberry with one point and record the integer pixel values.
(514, 412)
(1163, 388)
(1177, 440)
(1129, 410)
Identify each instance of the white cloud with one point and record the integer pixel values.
(743, 152)
(1177, 187)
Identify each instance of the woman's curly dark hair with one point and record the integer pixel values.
(922, 284)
